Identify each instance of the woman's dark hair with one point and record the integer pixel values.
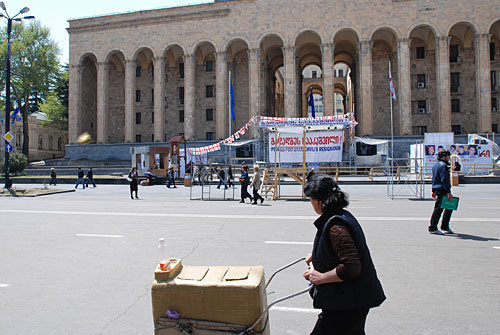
(324, 188)
(442, 154)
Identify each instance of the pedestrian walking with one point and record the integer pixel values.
(53, 177)
(256, 185)
(244, 180)
(133, 179)
(230, 177)
(441, 187)
(90, 177)
(345, 284)
(171, 177)
(80, 179)
(222, 178)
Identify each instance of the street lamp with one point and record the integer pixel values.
(7, 79)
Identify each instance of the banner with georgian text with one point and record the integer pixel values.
(321, 147)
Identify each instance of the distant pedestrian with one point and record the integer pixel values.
(171, 177)
(133, 179)
(80, 179)
(256, 185)
(441, 187)
(53, 177)
(230, 177)
(222, 178)
(90, 177)
(244, 180)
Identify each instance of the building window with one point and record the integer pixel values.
(493, 77)
(137, 118)
(210, 91)
(137, 95)
(138, 138)
(456, 128)
(420, 53)
(494, 128)
(59, 144)
(18, 142)
(422, 106)
(341, 72)
(40, 142)
(421, 80)
(210, 135)
(153, 117)
(152, 137)
(209, 114)
(181, 115)
(181, 70)
(494, 104)
(51, 146)
(453, 53)
(138, 71)
(455, 105)
(181, 95)
(152, 97)
(492, 51)
(455, 82)
(315, 74)
(209, 66)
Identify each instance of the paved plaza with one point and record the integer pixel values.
(82, 263)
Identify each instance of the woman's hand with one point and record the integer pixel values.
(308, 259)
(315, 277)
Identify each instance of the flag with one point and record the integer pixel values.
(15, 116)
(231, 92)
(311, 103)
(391, 83)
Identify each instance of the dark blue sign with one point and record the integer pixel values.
(8, 148)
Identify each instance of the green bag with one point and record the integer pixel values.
(447, 204)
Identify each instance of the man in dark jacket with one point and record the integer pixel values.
(441, 187)
(80, 179)
(90, 177)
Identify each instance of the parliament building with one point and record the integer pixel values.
(146, 76)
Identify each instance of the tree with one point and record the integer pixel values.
(34, 63)
(17, 163)
(57, 114)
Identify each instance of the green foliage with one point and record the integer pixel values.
(17, 163)
(57, 114)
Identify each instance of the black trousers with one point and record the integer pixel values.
(256, 195)
(436, 214)
(349, 322)
(244, 192)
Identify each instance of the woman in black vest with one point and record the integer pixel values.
(344, 277)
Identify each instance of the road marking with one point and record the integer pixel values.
(496, 247)
(235, 217)
(96, 235)
(286, 242)
(483, 207)
(296, 310)
(4, 285)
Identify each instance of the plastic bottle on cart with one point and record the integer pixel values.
(162, 253)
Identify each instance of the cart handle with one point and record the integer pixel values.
(283, 268)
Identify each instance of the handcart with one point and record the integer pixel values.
(169, 326)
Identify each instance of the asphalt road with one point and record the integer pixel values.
(58, 275)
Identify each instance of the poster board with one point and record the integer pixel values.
(472, 156)
(321, 146)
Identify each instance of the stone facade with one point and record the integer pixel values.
(443, 59)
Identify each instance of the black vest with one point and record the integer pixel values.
(363, 291)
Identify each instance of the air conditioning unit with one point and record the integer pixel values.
(421, 84)
(421, 110)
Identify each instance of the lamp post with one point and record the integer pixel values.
(7, 79)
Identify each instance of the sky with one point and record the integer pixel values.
(55, 14)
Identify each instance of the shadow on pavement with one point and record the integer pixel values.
(474, 237)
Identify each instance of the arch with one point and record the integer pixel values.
(87, 54)
(422, 25)
(307, 31)
(142, 48)
(200, 42)
(113, 51)
(492, 23)
(172, 52)
(382, 28)
(317, 89)
(115, 56)
(342, 33)
(233, 40)
(173, 45)
(271, 34)
(236, 46)
(465, 22)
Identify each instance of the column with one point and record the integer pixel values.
(443, 83)
(254, 64)
(366, 119)
(74, 102)
(159, 98)
(290, 81)
(189, 96)
(404, 83)
(129, 100)
(483, 82)
(102, 101)
(221, 91)
(328, 54)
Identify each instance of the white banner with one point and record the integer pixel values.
(321, 146)
(472, 156)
